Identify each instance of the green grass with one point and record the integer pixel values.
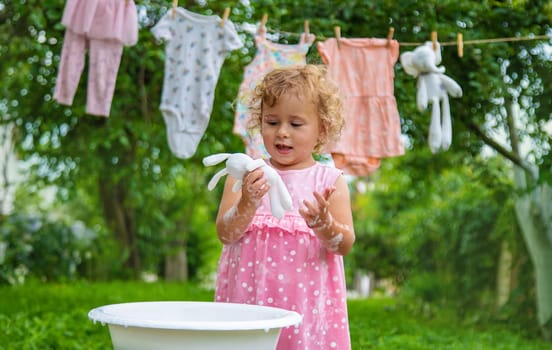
(54, 316)
(387, 324)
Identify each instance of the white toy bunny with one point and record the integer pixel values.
(433, 86)
(237, 164)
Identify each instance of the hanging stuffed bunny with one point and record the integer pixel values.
(237, 164)
(433, 87)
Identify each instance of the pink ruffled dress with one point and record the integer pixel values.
(281, 263)
(363, 69)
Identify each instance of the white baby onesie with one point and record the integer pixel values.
(196, 46)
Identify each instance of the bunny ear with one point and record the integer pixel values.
(216, 179)
(215, 159)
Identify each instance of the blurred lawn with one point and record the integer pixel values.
(54, 316)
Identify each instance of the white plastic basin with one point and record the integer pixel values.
(171, 325)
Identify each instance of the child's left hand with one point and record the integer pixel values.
(316, 214)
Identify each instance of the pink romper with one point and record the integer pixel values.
(101, 27)
(268, 57)
(281, 263)
(363, 68)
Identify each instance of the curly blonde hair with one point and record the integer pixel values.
(309, 81)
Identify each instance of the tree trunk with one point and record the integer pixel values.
(176, 263)
(504, 275)
(120, 218)
(8, 164)
(176, 260)
(535, 227)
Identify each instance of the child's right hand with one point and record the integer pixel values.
(254, 187)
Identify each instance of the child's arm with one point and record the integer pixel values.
(237, 209)
(331, 218)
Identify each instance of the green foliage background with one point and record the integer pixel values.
(434, 223)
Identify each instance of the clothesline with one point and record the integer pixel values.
(486, 41)
(459, 42)
(446, 43)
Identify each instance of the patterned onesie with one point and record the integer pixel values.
(268, 57)
(196, 46)
(281, 263)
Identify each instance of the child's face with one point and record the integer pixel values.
(290, 131)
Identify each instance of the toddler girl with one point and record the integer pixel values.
(295, 263)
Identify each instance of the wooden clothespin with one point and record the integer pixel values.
(390, 36)
(434, 40)
(306, 28)
(225, 16)
(263, 20)
(460, 44)
(337, 31)
(262, 25)
(174, 6)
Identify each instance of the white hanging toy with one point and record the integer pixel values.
(433, 86)
(237, 164)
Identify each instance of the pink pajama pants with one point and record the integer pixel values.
(103, 65)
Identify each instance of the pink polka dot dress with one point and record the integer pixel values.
(281, 263)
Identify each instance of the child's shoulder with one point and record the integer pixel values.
(327, 174)
(328, 167)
